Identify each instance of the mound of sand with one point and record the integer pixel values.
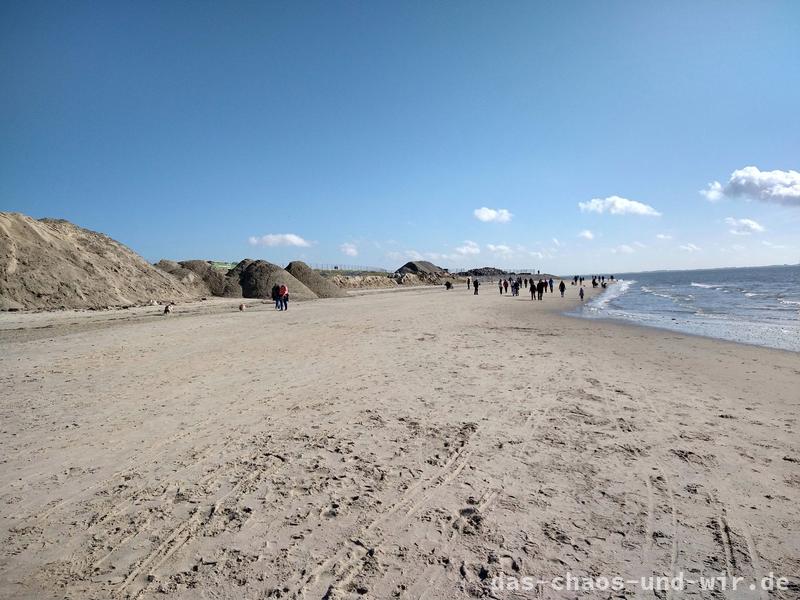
(483, 272)
(422, 272)
(55, 264)
(186, 276)
(256, 278)
(421, 267)
(216, 280)
(314, 281)
(354, 282)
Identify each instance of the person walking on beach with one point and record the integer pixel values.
(505, 285)
(283, 293)
(500, 286)
(562, 287)
(540, 287)
(475, 284)
(551, 285)
(468, 283)
(580, 293)
(275, 298)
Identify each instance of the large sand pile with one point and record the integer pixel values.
(186, 276)
(256, 278)
(355, 282)
(314, 281)
(422, 272)
(216, 280)
(54, 264)
(421, 268)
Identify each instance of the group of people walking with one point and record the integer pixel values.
(537, 288)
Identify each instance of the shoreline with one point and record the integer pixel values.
(633, 323)
(32, 325)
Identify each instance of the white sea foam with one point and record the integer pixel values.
(703, 285)
(659, 294)
(613, 291)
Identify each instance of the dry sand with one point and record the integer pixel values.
(389, 445)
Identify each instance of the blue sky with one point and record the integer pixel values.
(370, 133)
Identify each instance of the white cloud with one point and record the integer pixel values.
(771, 245)
(469, 247)
(663, 236)
(489, 215)
(349, 249)
(586, 234)
(615, 205)
(743, 226)
(556, 242)
(639, 245)
(279, 239)
(499, 248)
(623, 249)
(690, 247)
(405, 255)
(714, 192)
(750, 183)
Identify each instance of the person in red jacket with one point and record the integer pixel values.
(283, 296)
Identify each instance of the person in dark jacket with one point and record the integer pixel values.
(275, 298)
(540, 287)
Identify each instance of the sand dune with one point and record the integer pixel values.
(48, 263)
(415, 445)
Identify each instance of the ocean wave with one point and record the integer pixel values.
(647, 290)
(792, 302)
(612, 292)
(720, 287)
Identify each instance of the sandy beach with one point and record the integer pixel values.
(389, 445)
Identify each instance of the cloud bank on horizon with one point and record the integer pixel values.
(749, 183)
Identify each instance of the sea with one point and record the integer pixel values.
(754, 305)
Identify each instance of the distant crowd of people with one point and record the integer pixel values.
(597, 280)
(280, 292)
(540, 287)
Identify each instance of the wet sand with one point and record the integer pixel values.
(394, 445)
